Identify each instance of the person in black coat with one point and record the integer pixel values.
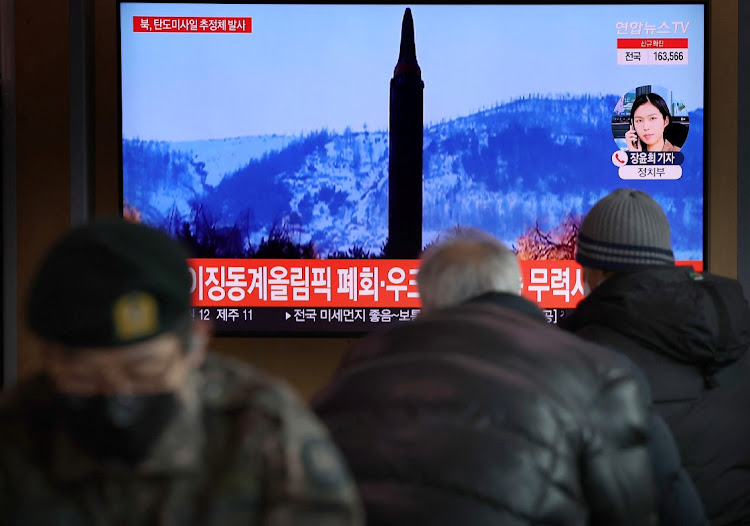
(479, 412)
(687, 331)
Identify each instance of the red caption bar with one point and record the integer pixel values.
(187, 24)
(559, 284)
(641, 43)
(358, 283)
(304, 282)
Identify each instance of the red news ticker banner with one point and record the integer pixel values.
(192, 24)
(641, 43)
(358, 283)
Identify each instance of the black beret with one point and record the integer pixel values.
(110, 283)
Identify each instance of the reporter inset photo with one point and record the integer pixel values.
(650, 118)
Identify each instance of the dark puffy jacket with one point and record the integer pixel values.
(689, 333)
(484, 415)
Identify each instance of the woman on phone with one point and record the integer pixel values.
(649, 117)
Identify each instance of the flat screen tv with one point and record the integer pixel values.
(278, 143)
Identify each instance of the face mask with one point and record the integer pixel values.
(119, 427)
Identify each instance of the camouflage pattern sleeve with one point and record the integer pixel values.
(308, 481)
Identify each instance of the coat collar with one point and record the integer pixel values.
(511, 301)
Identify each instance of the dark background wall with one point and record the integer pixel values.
(743, 152)
(59, 88)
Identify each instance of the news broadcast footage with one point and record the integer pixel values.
(259, 136)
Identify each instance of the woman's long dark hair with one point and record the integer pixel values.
(661, 105)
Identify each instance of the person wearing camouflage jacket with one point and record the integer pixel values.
(243, 450)
(131, 422)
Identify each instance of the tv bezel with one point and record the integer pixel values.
(348, 334)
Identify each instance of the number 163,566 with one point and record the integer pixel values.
(668, 56)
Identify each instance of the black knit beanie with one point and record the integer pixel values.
(626, 229)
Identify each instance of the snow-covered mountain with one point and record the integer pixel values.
(225, 156)
(530, 161)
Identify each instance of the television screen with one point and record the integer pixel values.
(274, 141)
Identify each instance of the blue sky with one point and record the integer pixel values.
(305, 67)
